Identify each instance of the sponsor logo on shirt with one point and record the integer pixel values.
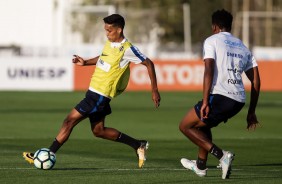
(233, 44)
(103, 65)
(234, 81)
(237, 69)
(230, 54)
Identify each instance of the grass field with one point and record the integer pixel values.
(31, 120)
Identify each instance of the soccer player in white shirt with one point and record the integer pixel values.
(226, 58)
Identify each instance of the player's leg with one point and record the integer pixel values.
(99, 130)
(202, 153)
(72, 119)
(190, 127)
(140, 146)
(198, 132)
(222, 109)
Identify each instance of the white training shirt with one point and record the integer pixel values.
(232, 58)
(132, 54)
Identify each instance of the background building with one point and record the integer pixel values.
(38, 39)
(161, 28)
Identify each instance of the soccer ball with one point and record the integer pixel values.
(44, 158)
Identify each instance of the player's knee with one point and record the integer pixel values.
(69, 123)
(182, 127)
(98, 132)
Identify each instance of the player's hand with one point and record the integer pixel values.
(156, 98)
(205, 109)
(78, 60)
(252, 121)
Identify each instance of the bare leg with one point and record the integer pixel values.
(189, 126)
(203, 154)
(99, 130)
(73, 118)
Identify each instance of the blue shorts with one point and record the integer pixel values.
(94, 106)
(222, 108)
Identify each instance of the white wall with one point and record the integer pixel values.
(28, 22)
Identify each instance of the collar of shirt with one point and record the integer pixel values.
(117, 44)
(226, 33)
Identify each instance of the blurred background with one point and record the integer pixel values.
(51, 31)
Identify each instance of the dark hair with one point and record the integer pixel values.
(115, 19)
(223, 19)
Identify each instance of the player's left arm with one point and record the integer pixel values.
(152, 74)
(253, 76)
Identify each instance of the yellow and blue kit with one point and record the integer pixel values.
(112, 71)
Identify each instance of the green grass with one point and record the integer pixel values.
(31, 120)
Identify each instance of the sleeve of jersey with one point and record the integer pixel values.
(252, 63)
(133, 55)
(209, 49)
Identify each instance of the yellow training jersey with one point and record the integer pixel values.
(110, 78)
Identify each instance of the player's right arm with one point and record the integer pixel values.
(82, 62)
(209, 55)
(207, 84)
(253, 76)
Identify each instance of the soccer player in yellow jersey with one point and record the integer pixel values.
(109, 79)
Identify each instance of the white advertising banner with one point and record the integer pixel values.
(36, 74)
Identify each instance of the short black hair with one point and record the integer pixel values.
(223, 19)
(115, 19)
